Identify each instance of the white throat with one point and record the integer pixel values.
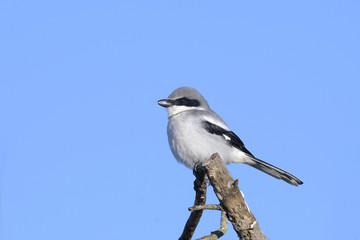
(173, 110)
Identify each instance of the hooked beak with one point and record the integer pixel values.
(165, 102)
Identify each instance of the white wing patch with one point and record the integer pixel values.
(226, 137)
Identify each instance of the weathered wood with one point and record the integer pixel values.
(232, 200)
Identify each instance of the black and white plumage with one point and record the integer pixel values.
(195, 132)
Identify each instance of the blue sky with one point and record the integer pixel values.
(83, 145)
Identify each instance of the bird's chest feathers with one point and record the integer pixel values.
(186, 138)
(185, 134)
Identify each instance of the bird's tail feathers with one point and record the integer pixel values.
(273, 171)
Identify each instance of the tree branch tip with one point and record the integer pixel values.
(212, 158)
(236, 182)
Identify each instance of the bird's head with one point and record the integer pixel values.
(183, 99)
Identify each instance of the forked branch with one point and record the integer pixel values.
(231, 199)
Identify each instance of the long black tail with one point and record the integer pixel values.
(274, 171)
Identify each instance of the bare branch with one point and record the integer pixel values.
(200, 199)
(232, 200)
(207, 207)
(221, 231)
(232, 203)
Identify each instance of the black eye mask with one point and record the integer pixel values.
(186, 102)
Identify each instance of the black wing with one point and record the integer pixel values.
(236, 142)
(229, 136)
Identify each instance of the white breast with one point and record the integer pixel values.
(191, 143)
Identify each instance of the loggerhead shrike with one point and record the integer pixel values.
(195, 132)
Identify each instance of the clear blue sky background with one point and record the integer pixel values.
(83, 145)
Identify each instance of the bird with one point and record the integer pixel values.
(195, 133)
